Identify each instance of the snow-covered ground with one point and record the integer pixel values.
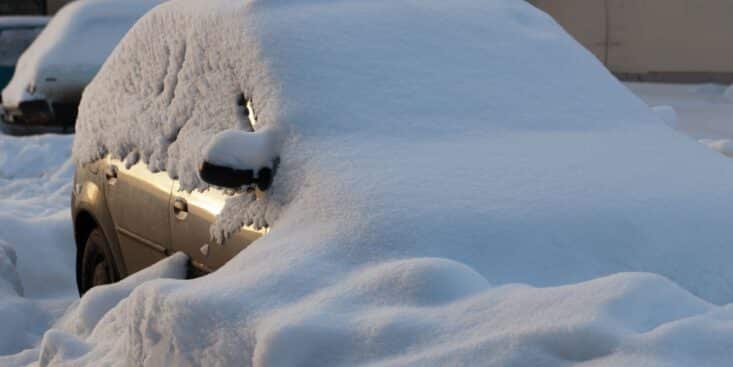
(36, 245)
(539, 220)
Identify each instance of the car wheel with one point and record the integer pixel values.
(97, 267)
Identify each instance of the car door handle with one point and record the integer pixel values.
(180, 208)
(111, 174)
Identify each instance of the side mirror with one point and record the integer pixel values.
(237, 158)
(233, 178)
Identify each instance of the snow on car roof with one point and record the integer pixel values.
(430, 152)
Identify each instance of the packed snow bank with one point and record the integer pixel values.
(35, 184)
(24, 320)
(70, 50)
(64, 340)
(36, 244)
(391, 314)
(429, 151)
(85, 314)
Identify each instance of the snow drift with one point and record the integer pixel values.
(433, 155)
(36, 244)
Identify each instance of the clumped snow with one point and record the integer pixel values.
(241, 149)
(460, 184)
(70, 50)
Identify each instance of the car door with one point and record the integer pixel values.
(191, 217)
(138, 202)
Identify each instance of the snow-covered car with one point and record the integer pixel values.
(127, 218)
(44, 92)
(450, 183)
(16, 34)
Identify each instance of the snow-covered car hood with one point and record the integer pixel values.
(430, 151)
(70, 50)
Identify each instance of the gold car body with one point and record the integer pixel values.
(146, 217)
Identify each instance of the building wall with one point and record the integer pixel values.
(676, 40)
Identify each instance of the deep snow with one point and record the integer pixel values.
(496, 213)
(36, 246)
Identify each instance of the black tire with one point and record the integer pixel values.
(97, 263)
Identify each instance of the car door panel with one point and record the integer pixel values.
(138, 201)
(190, 232)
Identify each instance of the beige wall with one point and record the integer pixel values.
(652, 36)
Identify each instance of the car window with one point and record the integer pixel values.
(13, 41)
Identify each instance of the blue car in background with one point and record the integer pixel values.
(44, 93)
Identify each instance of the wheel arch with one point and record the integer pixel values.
(84, 224)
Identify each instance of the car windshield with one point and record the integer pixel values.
(14, 40)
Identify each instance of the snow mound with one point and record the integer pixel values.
(36, 243)
(624, 319)
(84, 316)
(65, 339)
(33, 157)
(35, 184)
(429, 151)
(70, 50)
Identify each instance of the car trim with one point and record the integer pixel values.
(142, 240)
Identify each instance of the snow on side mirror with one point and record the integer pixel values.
(237, 158)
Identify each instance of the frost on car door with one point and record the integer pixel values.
(138, 201)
